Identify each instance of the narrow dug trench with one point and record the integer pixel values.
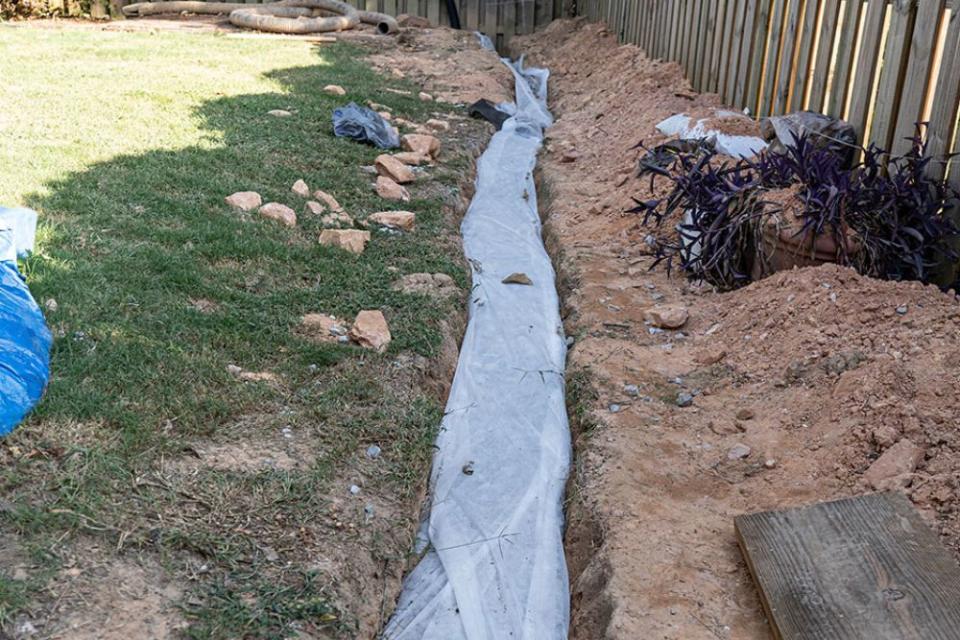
(782, 393)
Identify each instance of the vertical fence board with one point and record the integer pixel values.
(869, 58)
(918, 71)
(805, 54)
(727, 64)
(944, 116)
(697, 62)
(751, 21)
(892, 70)
(844, 59)
(768, 87)
(788, 55)
(758, 51)
(708, 76)
(821, 67)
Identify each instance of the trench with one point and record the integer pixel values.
(493, 563)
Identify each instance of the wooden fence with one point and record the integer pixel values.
(882, 65)
(499, 19)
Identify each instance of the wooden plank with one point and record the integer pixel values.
(918, 73)
(864, 567)
(869, 58)
(746, 54)
(690, 37)
(895, 56)
(508, 12)
(709, 40)
(676, 11)
(844, 59)
(725, 64)
(811, 13)
(543, 13)
(768, 86)
(943, 118)
(752, 96)
(490, 18)
(788, 56)
(697, 55)
(676, 14)
(821, 66)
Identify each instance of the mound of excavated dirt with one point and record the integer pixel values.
(810, 385)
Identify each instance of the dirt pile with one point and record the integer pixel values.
(783, 393)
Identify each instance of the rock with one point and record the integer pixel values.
(615, 408)
(725, 428)
(438, 125)
(902, 310)
(386, 115)
(390, 190)
(684, 399)
(370, 330)
(25, 629)
(354, 489)
(301, 189)
(373, 452)
(411, 158)
(710, 357)
(421, 143)
(570, 155)
(770, 463)
(51, 305)
(279, 113)
(315, 208)
(745, 414)
(328, 200)
(424, 96)
(667, 317)
(244, 200)
(279, 212)
(885, 436)
(631, 390)
(234, 370)
(336, 219)
(738, 451)
(392, 168)
(517, 278)
(405, 220)
(334, 90)
(433, 284)
(413, 22)
(888, 470)
(352, 240)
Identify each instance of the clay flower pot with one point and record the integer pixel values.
(783, 245)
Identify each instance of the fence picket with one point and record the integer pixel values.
(943, 118)
(821, 68)
(914, 90)
(892, 70)
(788, 56)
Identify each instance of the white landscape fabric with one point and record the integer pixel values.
(494, 568)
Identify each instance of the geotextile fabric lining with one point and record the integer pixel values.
(494, 567)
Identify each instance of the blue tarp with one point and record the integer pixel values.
(24, 338)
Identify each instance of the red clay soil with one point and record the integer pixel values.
(813, 384)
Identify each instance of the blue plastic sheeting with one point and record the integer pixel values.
(24, 338)
(494, 568)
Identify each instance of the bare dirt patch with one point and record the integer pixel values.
(780, 394)
(102, 597)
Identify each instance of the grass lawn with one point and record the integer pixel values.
(127, 143)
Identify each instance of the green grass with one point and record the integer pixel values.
(127, 143)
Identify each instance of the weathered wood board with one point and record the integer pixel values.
(864, 567)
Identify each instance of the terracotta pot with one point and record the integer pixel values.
(784, 247)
